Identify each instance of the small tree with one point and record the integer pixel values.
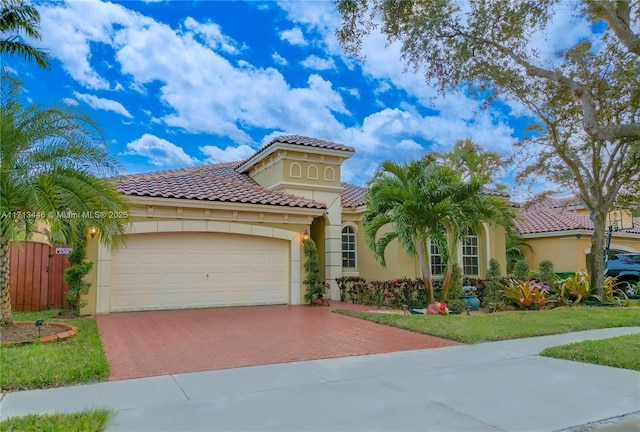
(521, 270)
(75, 274)
(547, 274)
(312, 281)
(493, 286)
(456, 301)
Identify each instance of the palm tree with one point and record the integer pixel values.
(414, 203)
(514, 245)
(16, 17)
(52, 167)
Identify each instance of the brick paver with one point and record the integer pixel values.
(141, 344)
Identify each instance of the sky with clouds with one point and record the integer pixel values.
(180, 83)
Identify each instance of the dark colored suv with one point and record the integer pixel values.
(627, 268)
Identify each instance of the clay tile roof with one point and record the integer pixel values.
(550, 219)
(353, 196)
(219, 182)
(303, 141)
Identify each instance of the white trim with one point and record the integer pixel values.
(103, 294)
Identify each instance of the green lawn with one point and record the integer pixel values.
(85, 421)
(508, 325)
(621, 352)
(79, 359)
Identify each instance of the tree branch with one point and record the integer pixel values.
(617, 16)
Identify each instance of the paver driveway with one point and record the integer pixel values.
(141, 344)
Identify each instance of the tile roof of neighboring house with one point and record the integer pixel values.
(219, 182)
(553, 217)
(353, 196)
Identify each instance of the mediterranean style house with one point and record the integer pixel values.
(231, 234)
(560, 230)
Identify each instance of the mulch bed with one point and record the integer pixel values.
(27, 332)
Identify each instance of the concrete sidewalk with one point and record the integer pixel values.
(496, 386)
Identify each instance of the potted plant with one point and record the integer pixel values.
(471, 297)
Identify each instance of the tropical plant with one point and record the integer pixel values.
(426, 201)
(526, 295)
(52, 167)
(612, 293)
(315, 288)
(514, 245)
(576, 287)
(18, 17)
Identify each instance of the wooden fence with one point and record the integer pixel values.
(36, 277)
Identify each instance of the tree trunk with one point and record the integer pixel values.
(447, 277)
(5, 294)
(426, 271)
(598, 242)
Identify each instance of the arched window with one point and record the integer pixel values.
(329, 174)
(312, 172)
(470, 255)
(295, 170)
(348, 247)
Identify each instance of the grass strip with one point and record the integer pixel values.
(75, 360)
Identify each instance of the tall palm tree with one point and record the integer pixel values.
(412, 202)
(53, 163)
(18, 17)
(428, 201)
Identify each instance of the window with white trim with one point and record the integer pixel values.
(470, 255)
(348, 247)
(438, 264)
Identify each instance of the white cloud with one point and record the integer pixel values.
(278, 59)
(103, 104)
(213, 35)
(70, 102)
(317, 63)
(216, 154)
(294, 36)
(159, 152)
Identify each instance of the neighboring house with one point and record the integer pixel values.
(231, 234)
(561, 231)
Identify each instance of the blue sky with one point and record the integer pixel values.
(180, 83)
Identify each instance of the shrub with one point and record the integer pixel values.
(456, 301)
(546, 273)
(521, 270)
(346, 283)
(492, 291)
(314, 287)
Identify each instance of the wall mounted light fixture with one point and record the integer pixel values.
(305, 235)
(93, 231)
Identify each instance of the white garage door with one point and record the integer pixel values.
(185, 270)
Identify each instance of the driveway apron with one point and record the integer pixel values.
(143, 344)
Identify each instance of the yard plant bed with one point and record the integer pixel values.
(27, 332)
(481, 327)
(621, 352)
(75, 360)
(91, 420)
